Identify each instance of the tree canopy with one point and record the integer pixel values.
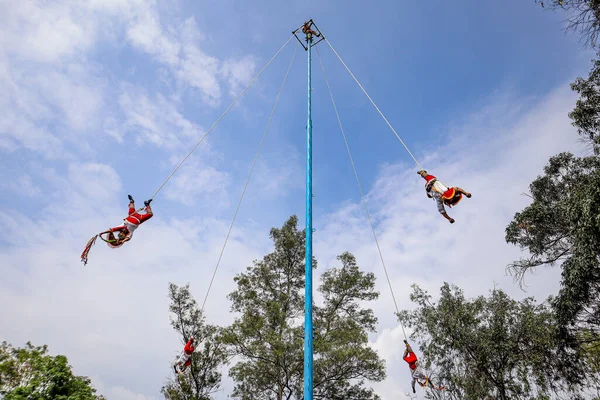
(268, 333)
(586, 114)
(487, 347)
(31, 373)
(562, 226)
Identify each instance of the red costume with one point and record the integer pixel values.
(447, 193)
(185, 359)
(133, 220)
(411, 359)
(130, 224)
(415, 371)
(189, 349)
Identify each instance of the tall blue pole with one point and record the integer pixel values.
(308, 322)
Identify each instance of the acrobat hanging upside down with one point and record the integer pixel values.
(130, 224)
(415, 370)
(442, 194)
(185, 360)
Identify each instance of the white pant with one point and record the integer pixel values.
(130, 227)
(417, 374)
(183, 358)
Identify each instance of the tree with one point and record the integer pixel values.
(203, 377)
(270, 299)
(30, 373)
(268, 334)
(562, 225)
(586, 115)
(488, 347)
(583, 17)
(341, 338)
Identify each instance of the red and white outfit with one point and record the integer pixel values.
(432, 183)
(186, 355)
(413, 364)
(133, 220)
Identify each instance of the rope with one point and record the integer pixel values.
(249, 176)
(375, 105)
(219, 119)
(361, 191)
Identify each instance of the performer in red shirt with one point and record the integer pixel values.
(417, 374)
(442, 194)
(185, 360)
(130, 224)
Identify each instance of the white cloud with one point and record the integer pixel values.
(196, 68)
(120, 393)
(43, 32)
(47, 86)
(54, 32)
(55, 87)
(117, 392)
(100, 181)
(33, 103)
(77, 97)
(153, 120)
(144, 30)
(196, 181)
(157, 121)
(239, 73)
(275, 177)
(19, 183)
(23, 117)
(179, 49)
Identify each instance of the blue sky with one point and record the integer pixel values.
(104, 98)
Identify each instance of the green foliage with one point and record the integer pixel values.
(269, 297)
(586, 115)
(592, 351)
(30, 373)
(562, 225)
(341, 329)
(202, 378)
(487, 347)
(268, 334)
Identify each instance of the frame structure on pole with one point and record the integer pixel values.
(310, 30)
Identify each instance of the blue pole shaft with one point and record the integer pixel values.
(308, 322)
